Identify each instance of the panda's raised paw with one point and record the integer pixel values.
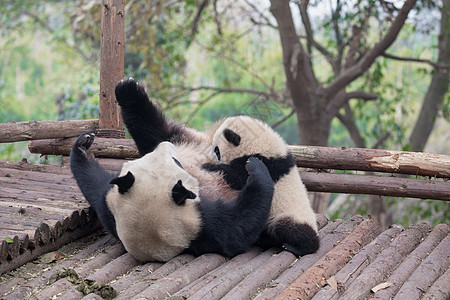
(253, 165)
(129, 92)
(85, 140)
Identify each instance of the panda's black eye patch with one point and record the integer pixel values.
(217, 152)
(232, 137)
(177, 162)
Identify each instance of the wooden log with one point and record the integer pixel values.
(135, 276)
(412, 261)
(183, 276)
(376, 185)
(309, 282)
(216, 279)
(374, 274)
(162, 272)
(374, 160)
(69, 262)
(426, 274)
(268, 271)
(219, 287)
(102, 147)
(33, 130)
(354, 268)
(330, 235)
(112, 49)
(439, 289)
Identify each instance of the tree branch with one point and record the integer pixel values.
(369, 57)
(349, 122)
(261, 15)
(311, 42)
(412, 59)
(278, 123)
(361, 95)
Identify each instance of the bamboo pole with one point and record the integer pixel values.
(33, 130)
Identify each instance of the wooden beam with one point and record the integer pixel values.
(33, 130)
(102, 147)
(373, 160)
(359, 159)
(376, 185)
(112, 49)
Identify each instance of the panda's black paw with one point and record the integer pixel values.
(129, 93)
(292, 249)
(256, 167)
(85, 141)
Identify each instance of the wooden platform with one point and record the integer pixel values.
(41, 209)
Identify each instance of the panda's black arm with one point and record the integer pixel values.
(92, 180)
(144, 121)
(231, 228)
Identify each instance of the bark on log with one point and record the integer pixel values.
(218, 279)
(162, 272)
(330, 235)
(374, 274)
(102, 147)
(33, 130)
(427, 273)
(182, 277)
(412, 261)
(375, 160)
(439, 289)
(376, 185)
(265, 273)
(219, 287)
(309, 282)
(359, 262)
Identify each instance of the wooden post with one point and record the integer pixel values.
(112, 49)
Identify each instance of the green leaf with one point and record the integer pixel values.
(9, 240)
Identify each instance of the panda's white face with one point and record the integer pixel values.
(242, 135)
(155, 207)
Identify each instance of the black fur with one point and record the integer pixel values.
(236, 175)
(297, 238)
(124, 183)
(180, 193)
(230, 228)
(145, 122)
(232, 137)
(92, 180)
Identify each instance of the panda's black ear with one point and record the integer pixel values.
(180, 193)
(124, 183)
(232, 137)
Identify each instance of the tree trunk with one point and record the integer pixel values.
(438, 86)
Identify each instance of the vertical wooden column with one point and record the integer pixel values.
(112, 49)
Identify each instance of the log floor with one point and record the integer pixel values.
(47, 228)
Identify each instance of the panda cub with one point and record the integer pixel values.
(153, 205)
(292, 222)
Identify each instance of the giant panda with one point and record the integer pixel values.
(148, 126)
(292, 222)
(153, 205)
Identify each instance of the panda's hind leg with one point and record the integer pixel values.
(297, 238)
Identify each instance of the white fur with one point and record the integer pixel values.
(290, 196)
(147, 212)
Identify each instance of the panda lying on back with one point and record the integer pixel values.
(153, 206)
(292, 221)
